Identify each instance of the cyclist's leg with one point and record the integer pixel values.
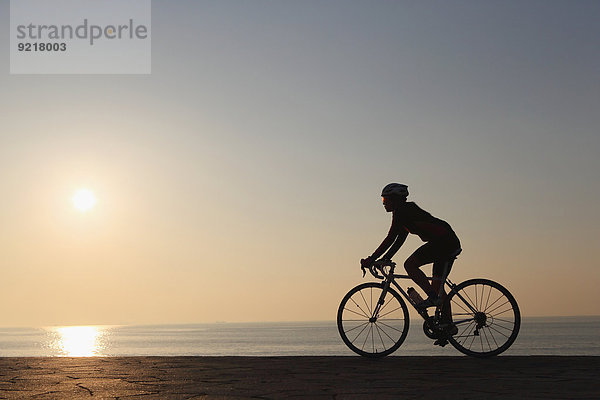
(441, 269)
(437, 252)
(448, 250)
(443, 252)
(422, 256)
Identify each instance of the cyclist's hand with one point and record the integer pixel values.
(366, 263)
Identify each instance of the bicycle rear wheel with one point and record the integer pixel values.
(365, 330)
(487, 317)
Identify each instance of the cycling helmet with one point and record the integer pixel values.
(395, 189)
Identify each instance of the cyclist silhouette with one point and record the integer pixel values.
(442, 245)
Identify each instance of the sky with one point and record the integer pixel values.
(241, 179)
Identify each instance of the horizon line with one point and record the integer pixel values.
(247, 322)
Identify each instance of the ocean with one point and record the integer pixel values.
(538, 336)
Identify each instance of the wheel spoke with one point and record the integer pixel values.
(482, 295)
(471, 323)
(386, 334)
(504, 320)
(360, 333)
(380, 338)
(488, 299)
(388, 313)
(468, 297)
(373, 338)
(356, 327)
(494, 302)
(505, 311)
(486, 339)
(365, 314)
(469, 312)
(365, 300)
(367, 337)
(359, 314)
(481, 341)
(463, 321)
(470, 329)
(504, 328)
(501, 305)
(391, 327)
(497, 331)
(493, 338)
(473, 340)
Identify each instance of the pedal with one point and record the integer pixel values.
(441, 342)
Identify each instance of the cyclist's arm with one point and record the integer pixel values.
(395, 239)
(387, 242)
(396, 245)
(397, 234)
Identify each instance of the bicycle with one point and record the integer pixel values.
(373, 319)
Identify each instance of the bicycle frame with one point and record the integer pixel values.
(390, 279)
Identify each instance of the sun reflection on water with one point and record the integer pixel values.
(79, 341)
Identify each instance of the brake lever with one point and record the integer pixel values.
(373, 270)
(374, 273)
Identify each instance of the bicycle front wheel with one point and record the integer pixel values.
(367, 329)
(487, 317)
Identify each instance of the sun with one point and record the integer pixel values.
(84, 200)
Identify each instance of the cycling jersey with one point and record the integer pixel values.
(410, 218)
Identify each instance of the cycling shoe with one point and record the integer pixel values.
(449, 329)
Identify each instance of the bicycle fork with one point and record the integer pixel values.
(380, 302)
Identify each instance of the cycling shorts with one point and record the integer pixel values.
(438, 252)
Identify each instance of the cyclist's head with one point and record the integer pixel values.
(394, 194)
